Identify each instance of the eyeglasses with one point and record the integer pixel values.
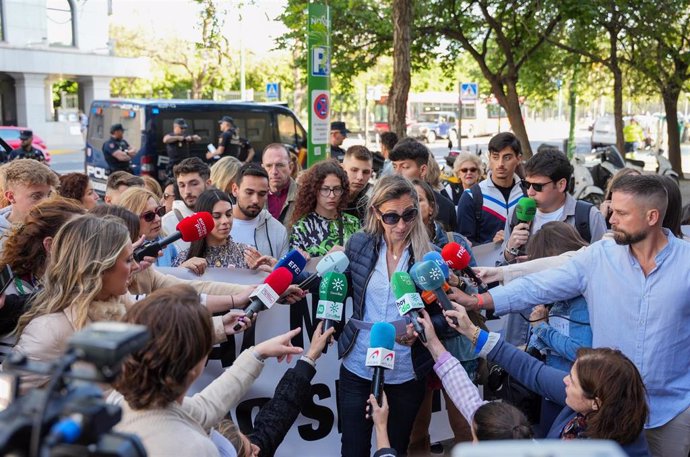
(149, 216)
(538, 187)
(470, 170)
(326, 191)
(393, 218)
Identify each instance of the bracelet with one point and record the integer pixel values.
(480, 302)
(475, 336)
(309, 360)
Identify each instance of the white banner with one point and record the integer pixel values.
(316, 432)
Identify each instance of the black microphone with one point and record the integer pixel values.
(381, 356)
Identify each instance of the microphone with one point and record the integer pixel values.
(191, 228)
(436, 257)
(380, 355)
(332, 294)
(293, 261)
(335, 261)
(429, 297)
(525, 210)
(458, 258)
(268, 293)
(428, 276)
(408, 300)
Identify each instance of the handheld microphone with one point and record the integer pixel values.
(380, 355)
(332, 294)
(525, 210)
(335, 261)
(438, 258)
(428, 276)
(191, 228)
(408, 300)
(458, 258)
(429, 297)
(268, 293)
(293, 261)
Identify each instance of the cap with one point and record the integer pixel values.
(227, 119)
(25, 134)
(340, 127)
(181, 122)
(115, 127)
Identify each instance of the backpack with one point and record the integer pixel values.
(582, 209)
(478, 200)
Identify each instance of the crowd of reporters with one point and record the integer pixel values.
(75, 261)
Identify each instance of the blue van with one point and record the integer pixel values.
(147, 121)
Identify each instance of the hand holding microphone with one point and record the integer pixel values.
(458, 258)
(380, 356)
(191, 228)
(267, 294)
(525, 210)
(407, 300)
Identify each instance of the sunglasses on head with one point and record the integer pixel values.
(149, 216)
(538, 187)
(393, 218)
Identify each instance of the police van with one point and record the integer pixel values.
(147, 121)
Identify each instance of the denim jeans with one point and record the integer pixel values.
(403, 402)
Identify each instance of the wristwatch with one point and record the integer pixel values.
(513, 251)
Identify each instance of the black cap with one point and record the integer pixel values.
(25, 134)
(181, 122)
(115, 127)
(340, 127)
(227, 119)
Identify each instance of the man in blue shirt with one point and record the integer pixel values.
(638, 291)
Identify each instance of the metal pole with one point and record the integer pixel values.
(366, 115)
(460, 116)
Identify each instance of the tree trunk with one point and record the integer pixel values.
(397, 100)
(618, 105)
(511, 103)
(670, 96)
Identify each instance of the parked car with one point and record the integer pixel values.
(11, 136)
(430, 126)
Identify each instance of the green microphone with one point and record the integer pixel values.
(332, 295)
(526, 209)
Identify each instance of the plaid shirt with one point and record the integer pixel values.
(458, 385)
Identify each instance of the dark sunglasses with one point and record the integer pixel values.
(393, 218)
(149, 216)
(538, 187)
(471, 170)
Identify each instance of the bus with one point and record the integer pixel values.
(147, 121)
(479, 118)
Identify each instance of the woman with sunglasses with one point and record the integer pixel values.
(218, 249)
(393, 239)
(145, 203)
(468, 169)
(318, 221)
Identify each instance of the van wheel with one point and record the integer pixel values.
(431, 137)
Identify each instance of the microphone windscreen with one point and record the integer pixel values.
(333, 287)
(428, 276)
(382, 335)
(401, 284)
(196, 226)
(335, 261)
(526, 209)
(293, 261)
(456, 256)
(279, 279)
(436, 257)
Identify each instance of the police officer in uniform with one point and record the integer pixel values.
(177, 144)
(26, 150)
(338, 134)
(118, 153)
(230, 143)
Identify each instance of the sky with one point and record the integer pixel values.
(168, 18)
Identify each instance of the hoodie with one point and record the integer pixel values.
(270, 236)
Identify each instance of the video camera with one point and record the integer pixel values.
(69, 417)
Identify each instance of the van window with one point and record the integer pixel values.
(101, 121)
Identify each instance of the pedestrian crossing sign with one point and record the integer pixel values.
(273, 91)
(469, 92)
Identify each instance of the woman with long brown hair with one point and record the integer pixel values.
(318, 220)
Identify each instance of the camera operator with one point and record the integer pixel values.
(154, 380)
(118, 153)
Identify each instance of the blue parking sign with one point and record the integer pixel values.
(321, 61)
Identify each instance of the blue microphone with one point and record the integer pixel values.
(429, 276)
(380, 356)
(438, 258)
(293, 261)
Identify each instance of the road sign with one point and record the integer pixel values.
(318, 81)
(273, 91)
(469, 92)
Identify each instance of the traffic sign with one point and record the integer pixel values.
(273, 91)
(469, 92)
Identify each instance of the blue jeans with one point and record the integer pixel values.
(403, 403)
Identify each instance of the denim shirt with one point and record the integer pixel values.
(560, 338)
(646, 317)
(169, 255)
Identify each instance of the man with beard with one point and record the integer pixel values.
(193, 177)
(252, 224)
(638, 292)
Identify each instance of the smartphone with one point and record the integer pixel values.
(6, 277)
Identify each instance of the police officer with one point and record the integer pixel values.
(118, 153)
(177, 143)
(230, 142)
(26, 150)
(338, 134)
